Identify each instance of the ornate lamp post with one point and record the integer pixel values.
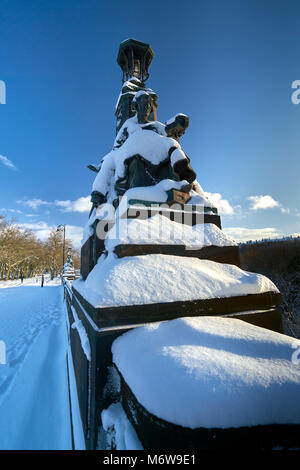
(134, 58)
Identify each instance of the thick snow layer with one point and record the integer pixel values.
(34, 399)
(176, 156)
(164, 278)
(119, 430)
(152, 146)
(160, 230)
(158, 194)
(211, 372)
(132, 125)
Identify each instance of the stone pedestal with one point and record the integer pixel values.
(104, 325)
(92, 249)
(156, 433)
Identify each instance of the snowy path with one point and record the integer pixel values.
(34, 403)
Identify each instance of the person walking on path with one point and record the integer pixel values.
(21, 277)
(42, 283)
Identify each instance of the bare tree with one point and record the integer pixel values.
(23, 254)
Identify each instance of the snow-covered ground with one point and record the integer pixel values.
(33, 281)
(34, 401)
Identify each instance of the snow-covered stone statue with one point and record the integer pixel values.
(145, 153)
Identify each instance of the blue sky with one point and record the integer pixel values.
(228, 64)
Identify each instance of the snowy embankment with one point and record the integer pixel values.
(34, 401)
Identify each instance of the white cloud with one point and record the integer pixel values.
(42, 231)
(223, 206)
(33, 203)
(285, 211)
(262, 202)
(7, 162)
(74, 233)
(35, 226)
(266, 202)
(242, 234)
(82, 204)
(16, 211)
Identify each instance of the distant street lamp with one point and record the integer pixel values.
(61, 228)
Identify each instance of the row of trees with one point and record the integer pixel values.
(23, 254)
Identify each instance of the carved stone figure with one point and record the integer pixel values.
(139, 169)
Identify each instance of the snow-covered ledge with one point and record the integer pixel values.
(154, 278)
(159, 230)
(211, 372)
